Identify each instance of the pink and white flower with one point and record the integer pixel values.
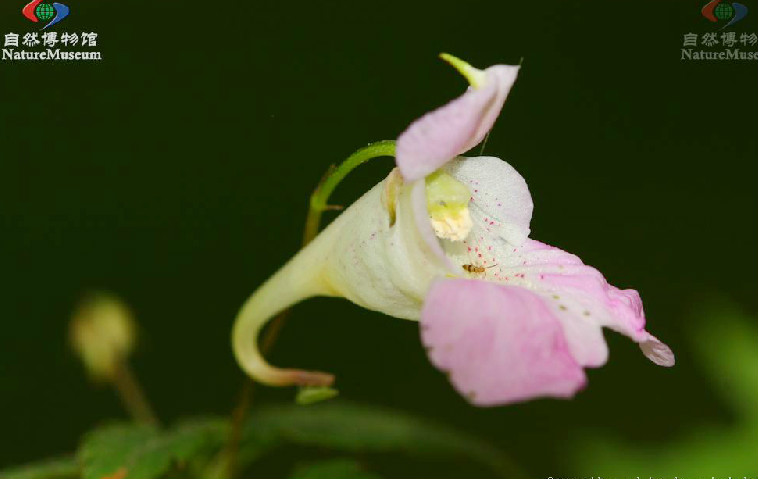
(444, 240)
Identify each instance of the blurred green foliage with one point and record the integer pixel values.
(340, 468)
(56, 468)
(725, 341)
(135, 451)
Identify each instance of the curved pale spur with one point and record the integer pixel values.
(444, 240)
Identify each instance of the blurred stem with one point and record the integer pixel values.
(132, 395)
(317, 205)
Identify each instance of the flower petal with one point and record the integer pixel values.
(500, 344)
(441, 135)
(657, 352)
(420, 214)
(500, 198)
(504, 76)
(583, 301)
(379, 263)
(578, 294)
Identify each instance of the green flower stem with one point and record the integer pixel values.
(320, 196)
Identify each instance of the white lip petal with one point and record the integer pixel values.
(500, 198)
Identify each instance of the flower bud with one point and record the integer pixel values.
(102, 332)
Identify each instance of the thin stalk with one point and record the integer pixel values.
(320, 196)
(132, 395)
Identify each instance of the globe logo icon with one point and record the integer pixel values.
(45, 12)
(52, 13)
(719, 11)
(723, 11)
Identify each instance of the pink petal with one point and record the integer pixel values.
(504, 76)
(583, 301)
(500, 344)
(441, 135)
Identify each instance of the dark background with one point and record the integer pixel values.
(176, 173)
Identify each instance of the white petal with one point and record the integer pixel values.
(500, 198)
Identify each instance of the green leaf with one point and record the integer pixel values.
(58, 468)
(311, 395)
(132, 451)
(357, 428)
(340, 468)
